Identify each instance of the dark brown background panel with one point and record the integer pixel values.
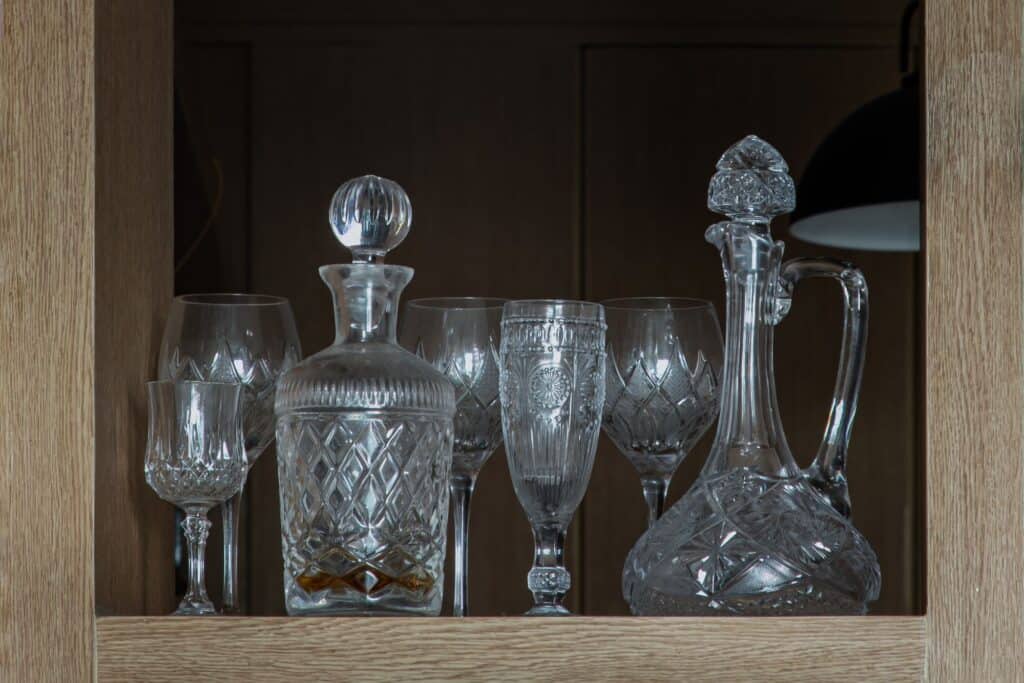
(483, 140)
(540, 163)
(212, 213)
(540, 12)
(656, 120)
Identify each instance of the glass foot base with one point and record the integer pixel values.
(548, 611)
(194, 609)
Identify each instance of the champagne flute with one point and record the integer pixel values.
(552, 390)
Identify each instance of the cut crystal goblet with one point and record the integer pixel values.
(246, 339)
(459, 336)
(664, 360)
(195, 459)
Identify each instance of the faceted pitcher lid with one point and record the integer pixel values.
(752, 183)
(370, 216)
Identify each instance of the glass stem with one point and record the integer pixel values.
(655, 490)
(461, 488)
(197, 529)
(229, 511)
(549, 580)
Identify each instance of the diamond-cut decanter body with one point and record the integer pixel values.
(755, 534)
(364, 437)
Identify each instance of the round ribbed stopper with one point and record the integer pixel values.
(371, 216)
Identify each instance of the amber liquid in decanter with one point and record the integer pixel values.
(364, 436)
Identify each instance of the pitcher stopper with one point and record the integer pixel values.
(752, 184)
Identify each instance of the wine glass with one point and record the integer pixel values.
(459, 337)
(552, 368)
(247, 339)
(195, 459)
(664, 359)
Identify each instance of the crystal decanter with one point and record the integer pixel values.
(364, 436)
(756, 535)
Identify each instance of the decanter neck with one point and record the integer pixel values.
(365, 300)
(749, 432)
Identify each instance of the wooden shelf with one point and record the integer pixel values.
(86, 180)
(158, 649)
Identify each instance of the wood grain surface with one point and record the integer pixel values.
(511, 649)
(974, 362)
(134, 242)
(47, 407)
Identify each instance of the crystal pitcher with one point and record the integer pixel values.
(755, 534)
(364, 436)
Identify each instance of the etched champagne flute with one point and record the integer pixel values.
(459, 336)
(247, 339)
(552, 365)
(195, 459)
(664, 359)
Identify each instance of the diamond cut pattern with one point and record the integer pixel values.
(474, 375)
(741, 543)
(374, 501)
(237, 364)
(658, 411)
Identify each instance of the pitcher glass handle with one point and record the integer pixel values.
(828, 471)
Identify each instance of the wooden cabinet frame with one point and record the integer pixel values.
(85, 274)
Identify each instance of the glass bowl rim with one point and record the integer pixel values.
(190, 382)
(230, 299)
(433, 303)
(657, 303)
(578, 309)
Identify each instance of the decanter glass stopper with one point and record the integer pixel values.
(370, 216)
(752, 183)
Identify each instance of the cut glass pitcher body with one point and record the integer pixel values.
(756, 535)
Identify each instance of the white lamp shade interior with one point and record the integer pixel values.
(893, 226)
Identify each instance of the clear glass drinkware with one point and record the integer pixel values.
(459, 336)
(195, 459)
(552, 378)
(755, 534)
(663, 378)
(244, 339)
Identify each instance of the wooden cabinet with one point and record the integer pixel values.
(537, 152)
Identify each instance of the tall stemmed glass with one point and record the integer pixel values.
(247, 339)
(195, 459)
(459, 336)
(552, 390)
(664, 360)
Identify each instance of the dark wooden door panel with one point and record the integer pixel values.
(736, 14)
(483, 139)
(520, 188)
(655, 121)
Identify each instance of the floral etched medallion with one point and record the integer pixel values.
(549, 387)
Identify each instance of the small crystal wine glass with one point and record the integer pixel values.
(248, 339)
(552, 365)
(459, 337)
(195, 459)
(664, 356)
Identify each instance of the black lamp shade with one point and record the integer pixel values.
(862, 187)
